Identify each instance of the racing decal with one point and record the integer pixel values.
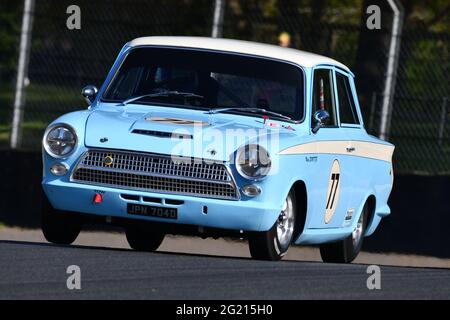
(334, 186)
(275, 124)
(349, 214)
(311, 158)
(348, 217)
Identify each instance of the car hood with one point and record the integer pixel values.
(180, 132)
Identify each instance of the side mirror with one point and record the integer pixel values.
(321, 117)
(89, 93)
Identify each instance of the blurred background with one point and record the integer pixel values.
(402, 75)
(62, 61)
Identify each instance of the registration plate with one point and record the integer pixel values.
(150, 211)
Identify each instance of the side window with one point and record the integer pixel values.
(323, 97)
(347, 109)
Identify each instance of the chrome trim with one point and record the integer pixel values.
(59, 164)
(358, 233)
(286, 223)
(233, 180)
(89, 93)
(47, 148)
(248, 194)
(157, 174)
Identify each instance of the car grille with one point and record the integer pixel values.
(155, 173)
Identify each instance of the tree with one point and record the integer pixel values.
(10, 17)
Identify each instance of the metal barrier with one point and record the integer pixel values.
(414, 116)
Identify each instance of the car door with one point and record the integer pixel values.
(352, 127)
(330, 191)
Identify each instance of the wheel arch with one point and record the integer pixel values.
(301, 197)
(371, 202)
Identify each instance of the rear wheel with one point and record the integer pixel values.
(274, 243)
(345, 251)
(58, 226)
(142, 238)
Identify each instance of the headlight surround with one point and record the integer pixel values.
(253, 162)
(60, 140)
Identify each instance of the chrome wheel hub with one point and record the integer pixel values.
(358, 232)
(285, 223)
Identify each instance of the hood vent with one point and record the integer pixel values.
(162, 134)
(177, 121)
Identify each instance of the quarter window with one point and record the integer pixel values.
(347, 109)
(323, 95)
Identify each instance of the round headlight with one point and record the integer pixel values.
(60, 140)
(253, 162)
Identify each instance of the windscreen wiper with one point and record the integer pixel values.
(251, 110)
(168, 93)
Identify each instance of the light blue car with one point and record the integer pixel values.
(215, 137)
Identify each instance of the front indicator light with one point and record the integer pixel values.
(58, 169)
(251, 190)
(98, 198)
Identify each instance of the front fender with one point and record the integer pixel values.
(276, 186)
(77, 120)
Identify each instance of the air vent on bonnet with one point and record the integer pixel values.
(162, 134)
(177, 121)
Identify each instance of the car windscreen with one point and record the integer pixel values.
(208, 80)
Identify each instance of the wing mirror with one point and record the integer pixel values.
(321, 117)
(89, 93)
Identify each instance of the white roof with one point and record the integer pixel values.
(301, 58)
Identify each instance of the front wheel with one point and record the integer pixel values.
(345, 251)
(141, 238)
(58, 226)
(274, 243)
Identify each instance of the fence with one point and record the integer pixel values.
(62, 61)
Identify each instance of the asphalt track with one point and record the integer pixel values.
(38, 271)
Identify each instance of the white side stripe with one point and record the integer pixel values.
(364, 149)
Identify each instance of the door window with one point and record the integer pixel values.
(323, 97)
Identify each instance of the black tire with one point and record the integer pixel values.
(58, 226)
(266, 245)
(345, 251)
(141, 238)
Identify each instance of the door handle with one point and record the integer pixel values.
(351, 149)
